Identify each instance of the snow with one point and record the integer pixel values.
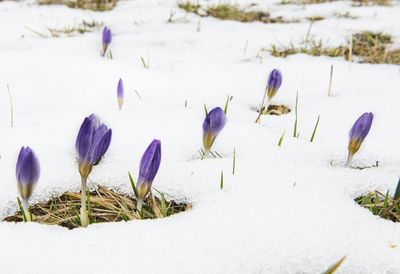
(286, 210)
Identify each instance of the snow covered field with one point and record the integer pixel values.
(287, 209)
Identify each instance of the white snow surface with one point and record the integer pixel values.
(286, 210)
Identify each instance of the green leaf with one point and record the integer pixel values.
(397, 192)
(133, 184)
(205, 109)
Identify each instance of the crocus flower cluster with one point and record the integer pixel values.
(149, 164)
(358, 133)
(213, 124)
(27, 173)
(274, 83)
(120, 93)
(92, 142)
(107, 37)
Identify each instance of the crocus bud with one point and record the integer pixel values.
(358, 133)
(107, 37)
(27, 173)
(92, 142)
(149, 165)
(212, 126)
(120, 93)
(274, 82)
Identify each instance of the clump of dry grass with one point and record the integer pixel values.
(374, 48)
(372, 2)
(368, 47)
(304, 2)
(315, 18)
(382, 205)
(104, 205)
(95, 5)
(273, 110)
(345, 15)
(224, 11)
(313, 47)
(80, 28)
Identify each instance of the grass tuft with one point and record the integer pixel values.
(315, 18)
(225, 11)
(106, 205)
(368, 47)
(372, 2)
(345, 15)
(304, 2)
(80, 28)
(95, 5)
(382, 205)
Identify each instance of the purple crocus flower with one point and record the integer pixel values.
(358, 133)
(107, 37)
(149, 165)
(27, 173)
(274, 82)
(92, 142)
(212, 126)
(120, 93)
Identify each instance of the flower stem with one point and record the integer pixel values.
(349, 158)
(262, 106)
(25, 205)
(139, 204)
(84, 214)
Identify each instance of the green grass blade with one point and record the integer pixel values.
(315, 130)
(295, 134)
(226, 105)
(144, 63)
(281, 139)
(221, 186)
(386, 201)
(334, 267)
(234, 161)
(205, 109)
